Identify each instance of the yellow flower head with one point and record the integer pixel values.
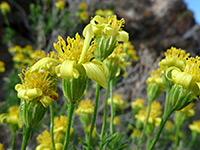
(83, 6)
(2, 66)
(116, 121)
(117, 101)
(40, 85)
(109, 26)
(169, 125)
(116, 61)
(104, 13)
(60, 124)
(1, 147)
(156, 77)
(85, 107)
(4, 7)
(93, 132)
(12, 117)
(138, 103)
(60, 4)
(15, 49)
(84, 15)
(189, 77)
(195, 126)
(174, 57)
(154, 114)
(188, 110)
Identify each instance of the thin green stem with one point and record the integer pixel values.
(167, 101)
(178, 126)
(194, 138)
(145, 125)
(13, 139)
(26, 137)
(162, 124)
(68, 127)
(95, 114)
(148, 141)
(52, 125)
(111, 109)
(6, 20)
(104, 116)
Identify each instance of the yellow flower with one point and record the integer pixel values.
(74, 59)
(189, 78)
(15, 49)
(135, 134)
(18, 58)
(195, 126)
(45, 142)
(138, 103)
(12, 117)
(60, 4)
(4, 7)
(1, 147)
(116, 61)
(104, 13)
(40, 85)
(84, 15)
(86, 107)
(117, 101)
(174, 57)
(154, 114)
(116, 121)
(60, 124)
(83, 6)
(93, 132)
(108, 26)
(188, 110)
(156, 77)
(169, 125)
(2, 66)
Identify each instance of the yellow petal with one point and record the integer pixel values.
(46, 101)
(123, 36)
(95, 71)
(33, 93)
(22, 94)
(67, 70)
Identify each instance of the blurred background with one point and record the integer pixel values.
(153, 27)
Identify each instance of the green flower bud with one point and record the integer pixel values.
(31, 112)
(153, 91)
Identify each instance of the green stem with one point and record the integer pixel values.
(148, 141)
(145, 125)
(68, 127)
(13, 139)
(194, 137)
(162, 124)
(6, 20)
(51, 125)
(112, 109)
(26, 137)
(104, 117)
(95, 114)
(176, 135)
(167, 101)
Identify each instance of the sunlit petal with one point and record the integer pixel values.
(123, 36)
(67, 70)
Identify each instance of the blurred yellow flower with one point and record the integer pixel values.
(129, 49)
(104, 13)
(84, 15)
(45, 142)
(1, 147)
(138, 103)
(39, 85)
(60, 124)
(136, 133)
(4, 7)
(174, 57)
(83, 6)
(60, 4)
(156, 111)
(117, 101)
(2, 66)
(85, 107)
(116, 121)
(169, 125)
(12, 117)
(195, 126)
(94, 130)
